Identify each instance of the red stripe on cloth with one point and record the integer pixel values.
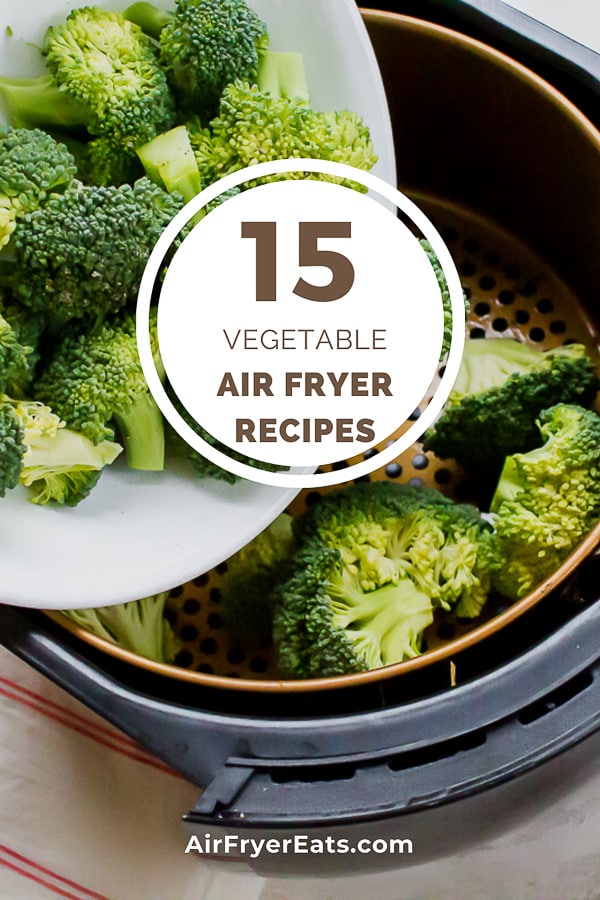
(46, 871)
(51, 887)
(137, 755)
(116, 735)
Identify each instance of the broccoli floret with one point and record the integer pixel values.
(110, 67)
(138, 626)
(389, 530)
(11, 448)
(246, 588)
(253, 126)
(32, 165)
(103, 162)
(326, 623)
(27, 328)
(547, 500)
(59, 466)
(94, 382)
(501, 388)
(84, 252)
(204, 46)
(15, 365)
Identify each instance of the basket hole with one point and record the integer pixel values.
(205, 668)
(443, 476)
(522, 317)
(500, 324)
(215, 595)
(557, 327)
(537, 335)
(545, 305)
(482, 309)
(506, 297)
(235, 655)
(477, 332)
(208, 646)
(184, 659)
(487, 283)
(192, 607)
(201, 580)
(215, 620)
(188, 633)
(467, 268)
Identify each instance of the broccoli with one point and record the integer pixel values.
(501, 388)
(169, 162)
(253, 126)
(94, 380)
(446, 301)
(326, 623)
(83, 253)
(547, 500)
(204, 46)
(32, 166)
(59, 465)
(390, 530)
(15, 365)
(11, 448)
(246, 587)
(138, 626)
(102, 162)
(374, 562)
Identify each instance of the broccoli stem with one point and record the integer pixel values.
(142, 430)
(150, 19)
(40, 103)
(169, 162)
(283, 75)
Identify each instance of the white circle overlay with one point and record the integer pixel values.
(425, 340)
(293, 381)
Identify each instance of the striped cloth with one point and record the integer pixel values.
(86, 813)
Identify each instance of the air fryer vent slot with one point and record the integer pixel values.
(556, 698)
(435, 752)
(312, 774)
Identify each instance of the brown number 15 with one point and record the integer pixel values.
(309, 254)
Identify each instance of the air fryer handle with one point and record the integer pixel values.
(121, 699)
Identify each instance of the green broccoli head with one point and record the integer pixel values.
(139, 626)
(32, 166)
(326, 623)
(15, 363)
(385, 531)
(59, 466)
(547, 500)
(95, 383)
(246, 588)
(253, 126)
(110, 68)
(103, 162)
(84, 252)
(11, 448)
(501, 388)
(204, 46)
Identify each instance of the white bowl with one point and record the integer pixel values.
(139, 533)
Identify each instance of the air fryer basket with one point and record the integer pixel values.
(509, 170)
